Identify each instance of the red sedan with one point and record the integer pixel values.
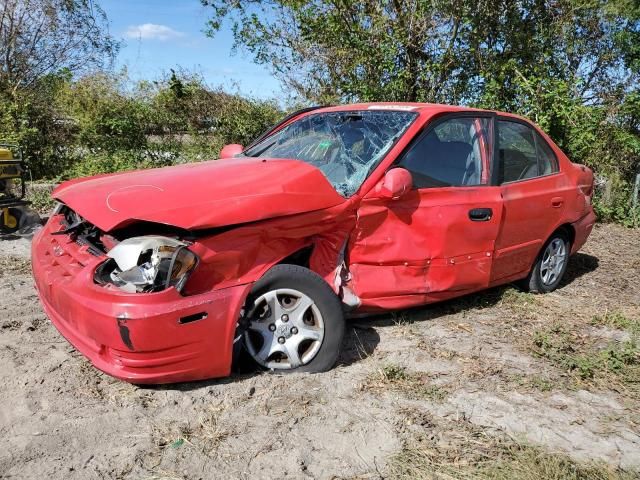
(168, 275)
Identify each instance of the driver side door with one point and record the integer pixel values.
(437, 240)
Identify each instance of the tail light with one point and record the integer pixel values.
(585, 181)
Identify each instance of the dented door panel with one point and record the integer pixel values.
(423, 244)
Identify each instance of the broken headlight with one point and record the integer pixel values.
(148, 264)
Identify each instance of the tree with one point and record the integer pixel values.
(438, 50)
(573, 66)
(44, 44)
(41, 37)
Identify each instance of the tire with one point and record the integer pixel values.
(293, 321)
(15, 213)
(545, 276)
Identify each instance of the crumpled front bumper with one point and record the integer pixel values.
(159, 337)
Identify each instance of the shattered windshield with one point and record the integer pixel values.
(345, 146)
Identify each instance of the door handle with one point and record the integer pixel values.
(480, 214)
(556, 202)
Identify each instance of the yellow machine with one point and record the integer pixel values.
(12, 188)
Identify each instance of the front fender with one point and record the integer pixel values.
(242, 255)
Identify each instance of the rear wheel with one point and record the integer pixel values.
(294, 321)
(550, 266)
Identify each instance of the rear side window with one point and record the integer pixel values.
(522, 153)
(454, 153)
(547, 161)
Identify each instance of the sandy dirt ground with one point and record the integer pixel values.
(477, 364)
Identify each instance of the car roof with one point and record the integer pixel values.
(424, 108)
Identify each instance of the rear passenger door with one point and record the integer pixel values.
(533, 192)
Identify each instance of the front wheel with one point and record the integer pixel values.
(294, 321)
(550, 266)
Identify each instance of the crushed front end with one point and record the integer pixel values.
(133, 323)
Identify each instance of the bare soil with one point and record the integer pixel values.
(453, 377)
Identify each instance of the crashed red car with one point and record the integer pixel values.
(168, 275)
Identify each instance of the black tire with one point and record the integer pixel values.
(17, 214)
(535, 282)
(312, 285)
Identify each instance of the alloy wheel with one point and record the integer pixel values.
(553, 260)
(286, 329)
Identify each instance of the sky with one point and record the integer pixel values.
(161, 34)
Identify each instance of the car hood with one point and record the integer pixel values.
(201, 195)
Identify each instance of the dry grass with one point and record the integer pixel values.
(487, 459)
(161, 474)
(413, 385)
(521, 302)
(206, 435)
(615, 367)
(533, 382)
(13, 265)
(446, 450)
(619, 321)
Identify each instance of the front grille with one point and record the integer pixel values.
(82, 232)
(58, 260)
(63, 258)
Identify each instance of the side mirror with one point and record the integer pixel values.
(395, 184)
(230, 151)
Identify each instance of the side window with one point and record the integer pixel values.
(522, 153)
(547, 161)
(454, 153)
(517, 157)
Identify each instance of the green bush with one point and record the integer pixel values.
(101, 123)
(613, 202)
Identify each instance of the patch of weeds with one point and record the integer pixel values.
(435, 351)
(482, 457)
(561, 347)
(618, 321)
(404, 325)
(439, 448)
(522, 302)
(40, 198)
(171, 436)
(619, 362)
(206, 434)
(412, 417)
(535, 382)
(412, 384)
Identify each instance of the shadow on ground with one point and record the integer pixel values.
(579, 264)
(361, 337)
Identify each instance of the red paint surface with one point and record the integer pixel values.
(201, 195)
(399, 252)
(163, 350)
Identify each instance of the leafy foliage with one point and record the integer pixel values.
(573, 66)
(40, 37)
(101, 123)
